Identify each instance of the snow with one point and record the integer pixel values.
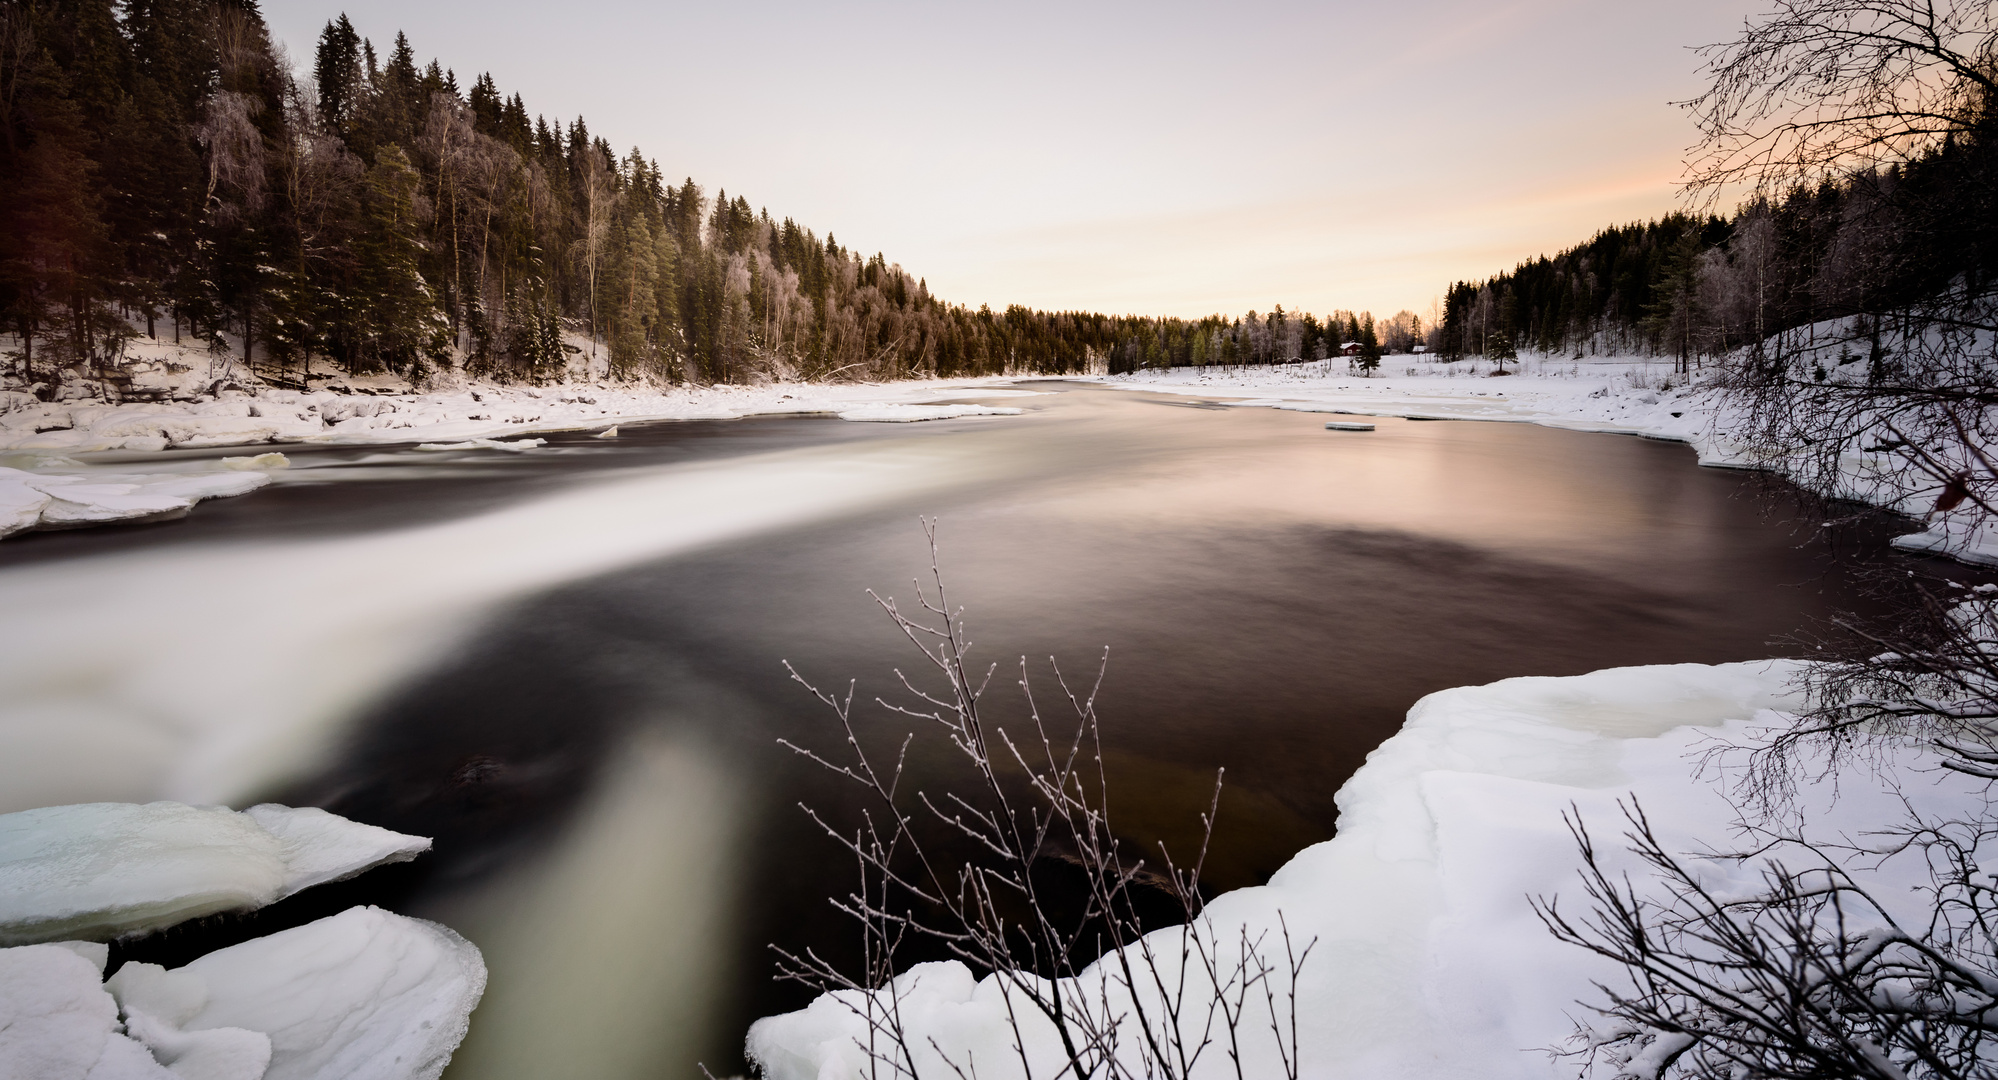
(1619, 396)
(64, 494)
(903, 414)
(57, 1022)
(1610, 395)
(365, 993)
(104, 870)
(517, 446)
(50, 492)
(1430, 962)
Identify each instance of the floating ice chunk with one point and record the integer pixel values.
(104, 870)
(364, 993)
(904, 414)
(516, 446)
(57, 1023)
(607, 433)
(271, 460)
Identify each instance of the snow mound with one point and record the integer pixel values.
(365, 993)
(1429, 962)
(105, 870)
(57, 1023)
(904, 414)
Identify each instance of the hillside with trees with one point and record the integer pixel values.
(174, 175)
(1862, 244)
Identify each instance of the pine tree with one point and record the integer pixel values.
(336, 71)
(401, 323)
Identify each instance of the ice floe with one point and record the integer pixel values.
(903, 414)
(58, 1023)
(75, 499)
(104, 870)
(365, 993)
(514, 446)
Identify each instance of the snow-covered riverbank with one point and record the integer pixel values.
(1430, 962)
(74, 464)
(1619, 396)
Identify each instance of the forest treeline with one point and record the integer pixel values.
(1864, 245)
(171, 172)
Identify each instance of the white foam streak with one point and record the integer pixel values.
(206, 674)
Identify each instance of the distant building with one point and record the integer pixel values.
(1351, 348)
(1422, 348)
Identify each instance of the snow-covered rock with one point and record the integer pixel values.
(104, 870)
(365, 993)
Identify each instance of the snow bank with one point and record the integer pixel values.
(1430, 962)
(67, 495)
(1627, 397)
(1617, 397)
(364, 993)
(104, 870)
(62, 493)
(471, 414)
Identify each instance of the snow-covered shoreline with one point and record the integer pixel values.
(75, 464)
(1430, 961)
(1613, 396)
(1607, 395)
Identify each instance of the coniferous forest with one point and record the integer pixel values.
(173, 173)
(1687, 285)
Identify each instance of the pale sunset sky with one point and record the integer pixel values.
(1164, 158)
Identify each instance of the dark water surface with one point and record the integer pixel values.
(618, 829)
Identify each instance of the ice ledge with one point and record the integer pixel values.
(99, 871)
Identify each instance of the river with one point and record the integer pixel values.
(566, 665)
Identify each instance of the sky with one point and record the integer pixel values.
(1149, 158)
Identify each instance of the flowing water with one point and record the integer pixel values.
(567, 665)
